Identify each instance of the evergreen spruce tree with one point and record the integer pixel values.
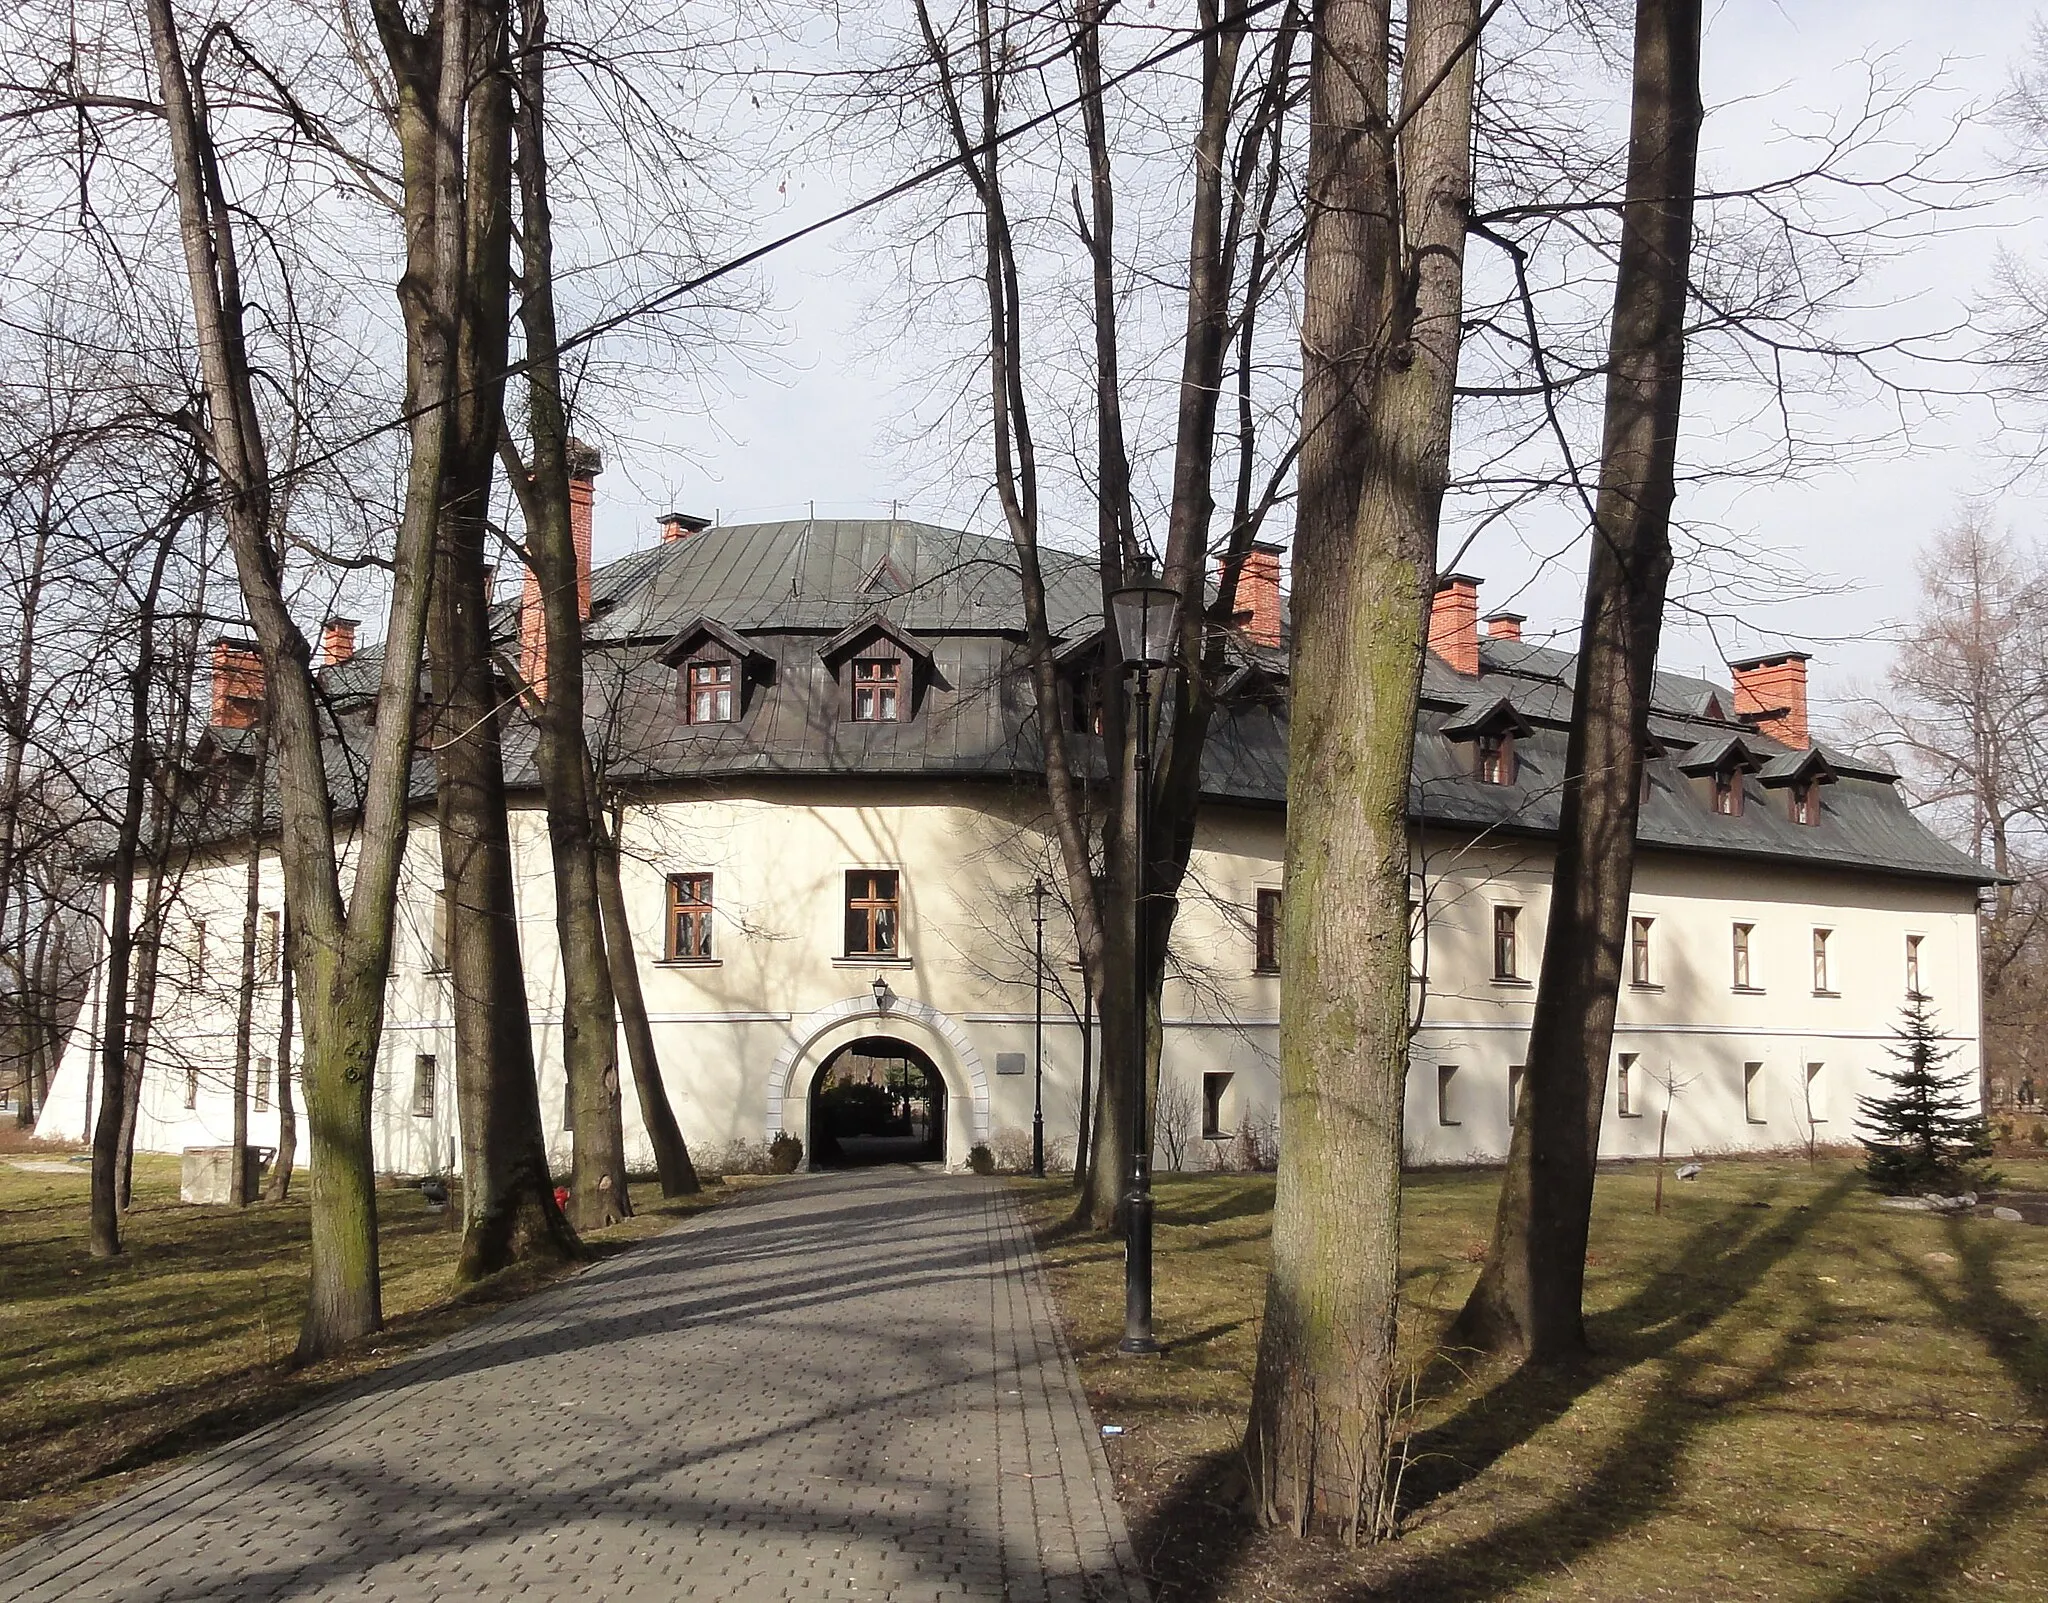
(1926, 1135)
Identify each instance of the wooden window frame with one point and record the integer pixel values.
(1729, 792)
(687, 934)
(1085, 700)
(1823, 966)
(1740, 956)
(1915, 988)
(1641, 973)
(878, 695)
(1507, 945)
(721, 689)
(1803, 802)
(1624, 1086)
(877, 917)
(1495, 758)
(1266, 930)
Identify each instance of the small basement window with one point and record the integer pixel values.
(1446, 1077)
(1814, 1100)
(1214, 1088)
(1753, 1092)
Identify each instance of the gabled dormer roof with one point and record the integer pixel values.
(691, 638)
(854, 636)
(1810, 763)
(1081, 647)
(1488, 715)
(884, 578)
(1719, 753)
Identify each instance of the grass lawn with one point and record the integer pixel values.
(114, 1369)
(1798, 1394)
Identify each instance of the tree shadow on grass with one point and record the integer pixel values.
(1199, 1540)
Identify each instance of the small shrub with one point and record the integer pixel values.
(981, 1160)
(785, 1152)
(2039, 1134)
(1010, 1150)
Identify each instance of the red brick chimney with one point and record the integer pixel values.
(584, 466)
(681, 525)
(1505, 625)
(337, 640)
(1258, 594)
(237, 684)
(1454, 622)
(1770, 692)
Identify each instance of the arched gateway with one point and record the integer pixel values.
(932, 1035)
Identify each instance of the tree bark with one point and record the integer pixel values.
(672, 1165)
(1380, 344)
(1529, 1295)
(148, 962)
(590, 1034)
(245, 995)
(280, 1183)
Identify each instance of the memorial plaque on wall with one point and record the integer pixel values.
(1009, 1063)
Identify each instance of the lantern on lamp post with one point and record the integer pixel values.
(1147, 614)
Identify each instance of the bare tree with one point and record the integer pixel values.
(1381, 325)
(1530, 1289)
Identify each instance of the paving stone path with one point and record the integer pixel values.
(845, 1387)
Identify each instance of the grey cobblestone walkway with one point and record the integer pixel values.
(842, 1388)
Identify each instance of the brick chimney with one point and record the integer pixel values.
(584, 466)
(1505, 625)
(681, 525)
(1258, 594)
(237, 684)
(1770, 692)
(337, 640)
(1454, 622)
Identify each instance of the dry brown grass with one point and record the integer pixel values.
(1798, 1394)
(115, 1369)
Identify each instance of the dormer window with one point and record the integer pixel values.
(708, 688)
(877, 689)
(1806, 802)
(1084, 702)
(1728, 793)
(1496, 758)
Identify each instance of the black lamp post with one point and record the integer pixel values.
(1146, 614)
(1038, 895)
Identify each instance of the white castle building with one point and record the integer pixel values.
(825, 736)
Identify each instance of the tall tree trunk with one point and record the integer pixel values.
(344, 944)
(1530, 1289)
(245, 995)
(280, 1182)
(148, 960)
(19, 699)
(672, 1165)
(1380, 327)
(106, 1130)
(1084, 1112)
(508, 1196)
(590, 1034)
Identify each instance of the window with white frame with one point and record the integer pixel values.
(1741, 976)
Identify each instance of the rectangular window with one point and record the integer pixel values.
(1505, 956)
(1814, 1102)
(1639, 951)
(876, 683)
(1821, 987)
(268, 948)
(262, 1085)
(1517, 1073)
(1753, 1092)
(437, 935)
(1806, 802)
(1625, 1086)
(1268, 961)
(198, 954)
(423, 1085)
(1084, 702)
(1728, 793)
(689, 918)
(1213, 1088)
(1496, 759)
(191, 1088)
(708, 692)
(1742, 935)
(871, 913)
(1446, 1074)
(1913, 966)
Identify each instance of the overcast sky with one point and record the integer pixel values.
(816, 428)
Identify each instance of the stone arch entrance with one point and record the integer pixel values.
(816, 1037)
(877, 1100)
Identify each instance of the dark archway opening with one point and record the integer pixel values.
(878, 1100)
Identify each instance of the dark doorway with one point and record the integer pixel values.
(879, 1100)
